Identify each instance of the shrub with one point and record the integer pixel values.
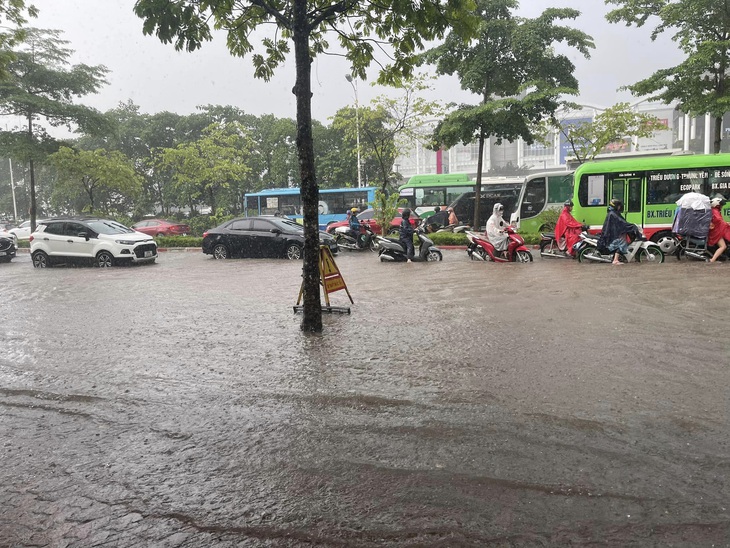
(179, 241)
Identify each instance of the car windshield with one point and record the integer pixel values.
(109, 227)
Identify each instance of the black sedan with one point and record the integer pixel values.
(7, 248)
(259, 237)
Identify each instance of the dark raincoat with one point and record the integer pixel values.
(615, 226)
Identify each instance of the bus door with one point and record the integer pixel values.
(628, 190)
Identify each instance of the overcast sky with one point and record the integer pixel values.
(157, 78)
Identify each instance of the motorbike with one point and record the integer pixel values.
(365, 240)
(393, 251)
(481, 249)
(549, 246)
(639, 249)
(697, 249)
(450, 228)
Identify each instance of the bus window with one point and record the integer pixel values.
(534, 198)
(592, 190)
(288, 205)
(720, 180)
(633, 202)
(617, 189)
(453, 192)
(560, 189)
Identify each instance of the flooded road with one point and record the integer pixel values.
(460, 404)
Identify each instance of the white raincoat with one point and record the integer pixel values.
(495, 228)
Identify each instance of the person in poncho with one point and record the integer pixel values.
(719, 228)
(614, 231)
(567, 229)
(496, 226)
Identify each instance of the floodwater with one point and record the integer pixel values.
(459, 404)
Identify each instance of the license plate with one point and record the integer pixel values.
(148, 254)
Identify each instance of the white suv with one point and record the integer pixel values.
(101, 241)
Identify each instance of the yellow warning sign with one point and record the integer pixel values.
(327, 264)
(330, 277)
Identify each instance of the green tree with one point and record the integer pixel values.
(359, 26)
(91, 181)
(385, 207)
(514, 68)
(42, 86)
(209, 169)
(385, 127)
(701, 83)
(612, 125)
(13, 16)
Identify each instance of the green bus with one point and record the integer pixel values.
(542, 192)
(424, 192)
(649, 189)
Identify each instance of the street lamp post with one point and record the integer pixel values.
(357, 128)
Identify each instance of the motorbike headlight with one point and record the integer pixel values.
(126, 242)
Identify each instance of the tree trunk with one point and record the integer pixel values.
(31, 170)
(718, 134)
(478, 185)
(312, 309)
(211, 199)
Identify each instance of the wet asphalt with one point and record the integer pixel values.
(459, 404)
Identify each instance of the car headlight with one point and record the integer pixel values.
(125, 242)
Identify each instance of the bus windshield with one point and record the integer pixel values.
(542, 192)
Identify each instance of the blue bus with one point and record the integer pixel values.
(334, 203)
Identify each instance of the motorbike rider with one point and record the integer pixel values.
(453, 219)
(354, 223)
(719, 233)
(567, 229)
(614, 231)
(496, 226)
(439, 219)
(406, 234)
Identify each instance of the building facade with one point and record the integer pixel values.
(682, 133)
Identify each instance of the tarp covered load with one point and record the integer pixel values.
(693, 217)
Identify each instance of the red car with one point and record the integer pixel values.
(160, 227)
(366, 218)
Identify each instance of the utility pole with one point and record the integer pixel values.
(353, 83)
(12, 188)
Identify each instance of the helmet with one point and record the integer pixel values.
(568, 203)
(617, 204)
(718, 200)
(406, 213)
(354, 210)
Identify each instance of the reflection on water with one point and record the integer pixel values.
(459, 403)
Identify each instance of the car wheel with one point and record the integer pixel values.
(40, 260)
(220, 252)
(160, 235)
(104, 259)
(293, 252)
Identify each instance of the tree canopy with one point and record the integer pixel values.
(512, 65)
(13, 16)
(612, 125)
(358, 26)
(41, 88)
(701, 29)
